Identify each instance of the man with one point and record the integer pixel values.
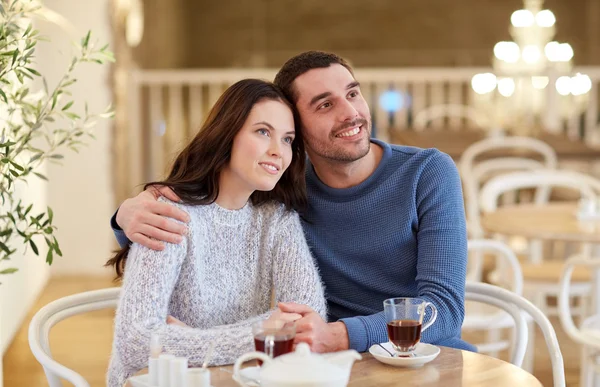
(383, 221)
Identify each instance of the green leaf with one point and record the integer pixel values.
(10, 270)
(49, 256)
(35, 157)
(7, 144)
(33, 71)
(6, 232)
(14, 173)
(34, 247)
(57, 248)
(14, 57)
(17, 166)
(40, 176)
(54, 99)
(4, 248)
(3, 95)
(57, 157)
(72, 116)
(68, 105)
(86, 40)
(50, 214)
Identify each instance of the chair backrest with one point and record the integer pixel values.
(513, 304)
(53, 313)
(564, 306)
(474, 172)
(586, 185)
(504, 257)
(423, 117)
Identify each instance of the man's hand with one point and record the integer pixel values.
(143, 217)
(321, 336)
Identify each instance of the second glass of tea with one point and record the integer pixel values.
(404, 317)
(274, 337)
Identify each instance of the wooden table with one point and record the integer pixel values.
(552, 221)
(455, 142)
(452, 367)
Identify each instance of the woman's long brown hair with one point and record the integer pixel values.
(194, 176)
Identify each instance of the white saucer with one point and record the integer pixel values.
(424, 353)
(248, 373)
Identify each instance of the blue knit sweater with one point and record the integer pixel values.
(400, 233)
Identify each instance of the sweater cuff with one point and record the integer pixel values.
(118, 231)
(357, 333)
(364, 331)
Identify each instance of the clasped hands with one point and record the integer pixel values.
(311, 329)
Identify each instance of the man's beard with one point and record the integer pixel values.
(331, 152)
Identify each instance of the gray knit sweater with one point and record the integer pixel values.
(218, 281)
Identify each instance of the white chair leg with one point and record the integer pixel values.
(528, 360)
(493, 335)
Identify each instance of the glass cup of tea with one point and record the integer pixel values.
(404, 317)
(274, 337)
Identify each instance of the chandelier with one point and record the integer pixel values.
(532, 83)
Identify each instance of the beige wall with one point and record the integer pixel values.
(80, 191)
(371, 33)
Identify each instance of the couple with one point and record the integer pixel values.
(381, 221)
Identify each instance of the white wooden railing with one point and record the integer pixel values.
(166, 107)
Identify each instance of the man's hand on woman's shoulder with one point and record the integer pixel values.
(145, 220)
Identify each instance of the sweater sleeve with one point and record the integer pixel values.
(442, 241)
(150, 278)
(295, 276)
(441, 260)
(122, 239)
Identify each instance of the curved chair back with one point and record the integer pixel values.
(503, 255)
(53, 313)
(473, 173)
(564, 307)
(586, 185)
(513, 304)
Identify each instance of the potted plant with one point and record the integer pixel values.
(36, 126)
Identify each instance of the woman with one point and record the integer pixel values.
(240, 180)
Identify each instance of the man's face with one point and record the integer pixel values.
(336, 122)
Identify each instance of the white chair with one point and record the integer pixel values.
(474, 173)
(491, 320)
(589, 333)
(53, 313)
(513, 304)
(541, 280)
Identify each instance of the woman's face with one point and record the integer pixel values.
(262, 149)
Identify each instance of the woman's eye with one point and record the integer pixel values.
(264, 132)
(288, 140)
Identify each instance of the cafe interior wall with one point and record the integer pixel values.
(378, 33)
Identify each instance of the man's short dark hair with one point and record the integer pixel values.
(302, 63)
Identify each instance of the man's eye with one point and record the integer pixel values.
(325, 105)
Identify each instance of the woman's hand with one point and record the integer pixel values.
(173, 321)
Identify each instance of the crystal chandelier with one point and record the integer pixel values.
(533, 83)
